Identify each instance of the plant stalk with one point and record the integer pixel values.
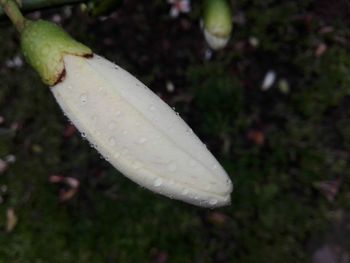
(12, 11)
(30, 5)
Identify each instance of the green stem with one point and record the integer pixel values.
(30, 5)
(12, 11)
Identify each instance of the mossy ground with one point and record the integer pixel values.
(278, 145)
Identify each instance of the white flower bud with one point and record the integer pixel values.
(138, 133)
(217, 23)
(214, 41)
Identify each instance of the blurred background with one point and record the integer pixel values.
(272, 106)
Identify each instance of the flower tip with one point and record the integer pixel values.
(217, 193)
(217, 23)
(197, 197)
(215, 42)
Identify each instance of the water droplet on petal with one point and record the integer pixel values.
(172, 167)
(142, 140)
(192, 163)
(112, 125)
(137, 165)
(185, 191)
(112, 141)
(125, 151)
(158, 182)
(213, 202)
(118, 113)
(125, 132)
(189, 130)
(94, 118)
(116, 155)
(152, 108)
(214, 167)
(83, 98)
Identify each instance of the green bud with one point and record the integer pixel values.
(44, 44)
(217, 23)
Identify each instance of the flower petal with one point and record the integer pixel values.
(138, 133)
(214, 41)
